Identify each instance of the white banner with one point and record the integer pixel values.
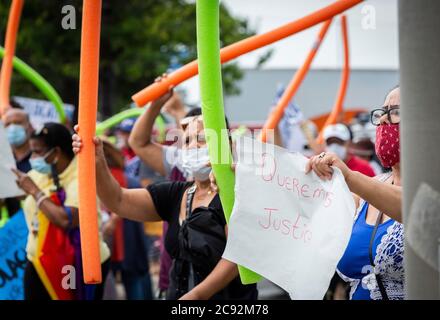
(290, 227)
(42, 111)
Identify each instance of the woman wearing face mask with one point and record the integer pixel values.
(373, 261)
(337, 139)
(197, 229)
(51, 211)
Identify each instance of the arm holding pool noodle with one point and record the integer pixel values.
(235, 50)
(88, 102)
(339, 104)
(292, 88)
(208, 51)
(10, 41)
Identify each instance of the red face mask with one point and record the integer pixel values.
(388, 144)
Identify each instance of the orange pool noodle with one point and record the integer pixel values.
(235, 50)
(10, 41)
(277, 114)
(88, 102)
(339, 104)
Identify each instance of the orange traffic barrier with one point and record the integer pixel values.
(88, 103)
(339, 104)
(278, 112)
(235, 50)
(10, 41)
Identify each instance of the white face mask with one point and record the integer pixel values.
(120, 142)
(337, 149)
(194, 163)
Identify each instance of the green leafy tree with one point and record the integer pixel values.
(139, 41)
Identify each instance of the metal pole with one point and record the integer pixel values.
(419, 46)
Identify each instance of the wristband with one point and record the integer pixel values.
(41, 199)
(39, 195)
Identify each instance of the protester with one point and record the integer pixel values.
(135, 270)
(160, 158)
(377, 240)
(365, 150)
(295, 133)
(129, 245)
(122, 133)
(362, 128)
(337, 139)
(198, 271)
(364, 136)
(51, 211)
(19, 129)
(165, 160)
(153, 230)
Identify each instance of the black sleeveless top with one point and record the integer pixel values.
(195, 246)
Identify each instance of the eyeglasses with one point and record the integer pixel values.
(392, 112)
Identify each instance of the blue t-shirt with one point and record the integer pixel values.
(355, 267)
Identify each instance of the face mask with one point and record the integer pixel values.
(387, 144)
(16, 135)
(120, 143)
(194, 162)
(338, 149)
(39, 164)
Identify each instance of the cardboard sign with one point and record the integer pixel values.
(290, 227)
(13, 238)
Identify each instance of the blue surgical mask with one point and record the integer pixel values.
(16, 135)
(39, 164)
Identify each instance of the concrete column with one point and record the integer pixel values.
(419, 46)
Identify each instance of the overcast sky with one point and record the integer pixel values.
(370, 48)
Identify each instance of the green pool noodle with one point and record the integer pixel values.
(208, 51)
(130, 113)
(42, 85)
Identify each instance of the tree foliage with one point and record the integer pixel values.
(140, 39)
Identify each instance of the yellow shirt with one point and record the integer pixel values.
(69, 181)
